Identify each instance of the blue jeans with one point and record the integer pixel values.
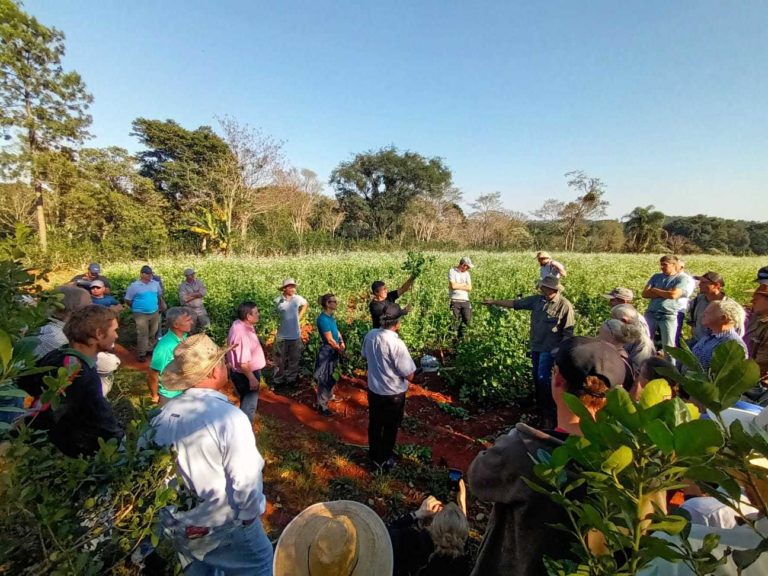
(246, 551)
(666, 325)
(542, 378)
(249, 399)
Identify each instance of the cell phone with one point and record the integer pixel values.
(454, 475)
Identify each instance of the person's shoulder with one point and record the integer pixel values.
(300, 300)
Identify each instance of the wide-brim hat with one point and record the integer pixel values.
(333, 538)
(189, 272)
(288, 282)
(551, 282)
(543, 254)
(193, 360)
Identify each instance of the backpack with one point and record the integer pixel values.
(33, 384)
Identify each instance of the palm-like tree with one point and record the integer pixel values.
(643, 228)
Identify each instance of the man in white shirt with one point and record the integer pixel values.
(218, 461)
(549, 267)
(459, 287)
(390, 369)
(291, 308)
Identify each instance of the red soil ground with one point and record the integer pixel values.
(454, 442)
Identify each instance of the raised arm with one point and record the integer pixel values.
(407, 286)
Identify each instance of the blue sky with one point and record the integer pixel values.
(666, 102)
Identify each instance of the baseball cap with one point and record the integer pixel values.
(466, 261)
(762, 275)
(712, 277)
(392, 312)
(583, 356)
(146, 269)
(96, 284)
(94, 268)
(189, 272)
(621, 293)
(542, 254)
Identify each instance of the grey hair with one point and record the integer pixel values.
(173, 314)
(620, 332)
(625, 313)
(730, 309)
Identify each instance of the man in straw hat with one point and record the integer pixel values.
(218, 461)
(390, 369)
(552, 321)
(341, 538)
(549, 267)
(290, 308)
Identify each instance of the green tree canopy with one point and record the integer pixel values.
(374, 188)
(178, 160)
(41, 103)
(643, 229)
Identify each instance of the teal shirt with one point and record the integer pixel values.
(326, 323)
(665, 305)
(162, 356)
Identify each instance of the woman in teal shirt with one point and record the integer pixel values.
(331, 349)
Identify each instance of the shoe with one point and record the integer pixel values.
(389, 464)
(324, 411)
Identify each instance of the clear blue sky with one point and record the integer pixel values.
(667, 102)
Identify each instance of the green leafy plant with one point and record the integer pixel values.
(454, 411)
(416, 262)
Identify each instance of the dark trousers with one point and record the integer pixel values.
(249, 399)
(385, 414)
(542, 378)
(462, 314)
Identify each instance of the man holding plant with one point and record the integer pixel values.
(382, 298)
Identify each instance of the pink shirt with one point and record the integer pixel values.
(248, 347)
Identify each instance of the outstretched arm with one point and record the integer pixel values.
(407, 286)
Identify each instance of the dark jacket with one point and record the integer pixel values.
(551, 320)
(519, 534)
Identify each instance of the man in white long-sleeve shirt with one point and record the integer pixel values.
(218, 461)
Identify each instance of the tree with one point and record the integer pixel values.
(326, 215)
(431, 216)
(300, 190)
(374, 188)
(492, 226)
(17, 206)
(179, 161)
(643, 229)
(44, 104)
(589, 204)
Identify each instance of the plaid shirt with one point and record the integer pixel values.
(50, 337)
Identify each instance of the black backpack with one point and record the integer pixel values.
(33, 384)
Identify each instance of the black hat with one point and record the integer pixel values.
(391, 313)
(582, 356)
(146, 269)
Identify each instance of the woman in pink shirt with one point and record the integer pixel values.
(246, 360)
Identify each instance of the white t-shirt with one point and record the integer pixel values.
(289, 317)
(389, 362)
(459, 278)
(550, 269)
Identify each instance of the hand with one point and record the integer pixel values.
(155, 399)
(342, 346)
(429, 507)
(461, 496)
(253, 382)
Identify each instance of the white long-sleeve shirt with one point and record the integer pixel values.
(217, 457)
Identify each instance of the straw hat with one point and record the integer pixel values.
(551, 282)
(288, 282)
(193, 361)
(543, 254)
(332, 539)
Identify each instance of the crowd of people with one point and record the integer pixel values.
(215, 446)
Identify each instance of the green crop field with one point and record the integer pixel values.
(491, 363)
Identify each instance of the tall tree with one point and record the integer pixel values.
(45, 106)
(643, 229)
(588, 205)
(178, 160)
(374, 188)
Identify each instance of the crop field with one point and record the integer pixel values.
(491, 363)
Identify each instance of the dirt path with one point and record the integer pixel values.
(454, 442)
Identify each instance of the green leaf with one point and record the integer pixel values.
(736, 376)
(661, 436)
(671, 524)
(655, 391)
(618, 460)
(6, 349)
(697, 438)
(621, 406)
(745, 558)
(684, 356)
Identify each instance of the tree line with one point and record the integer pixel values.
(232, 189)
